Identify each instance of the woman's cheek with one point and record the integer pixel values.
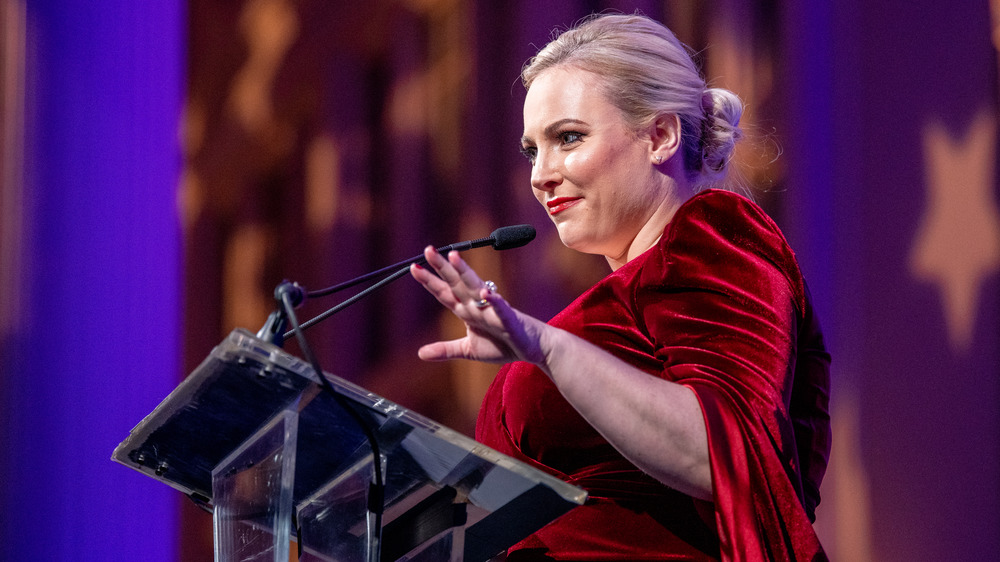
(539, 196)
(578, 163)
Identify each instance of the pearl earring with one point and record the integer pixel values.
(659, 159)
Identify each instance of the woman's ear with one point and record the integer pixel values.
(665, 137)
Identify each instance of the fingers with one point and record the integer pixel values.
(452, 269)
(455, 284)
(466, 275)
(441, 351)
(459, 288)
(435, 286)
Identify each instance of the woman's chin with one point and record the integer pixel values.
(568, 237)
(574, 241)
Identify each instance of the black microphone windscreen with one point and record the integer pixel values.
(509, 237)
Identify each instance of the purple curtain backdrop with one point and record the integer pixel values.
(97, 345)
(915, 460)
(886, 112)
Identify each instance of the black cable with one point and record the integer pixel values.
(317, 319)
(503, 238)
(376, 492)
(405, 263)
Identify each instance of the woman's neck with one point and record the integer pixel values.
(652, 230)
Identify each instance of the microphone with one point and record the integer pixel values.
(503, 238)
(510, 237)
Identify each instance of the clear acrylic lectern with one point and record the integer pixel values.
(251, 436)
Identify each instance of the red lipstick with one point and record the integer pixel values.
(560, 204)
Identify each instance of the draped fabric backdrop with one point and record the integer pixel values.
(90, 295)
(166, 165)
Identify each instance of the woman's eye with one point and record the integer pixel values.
(529, 153)
(570, 137)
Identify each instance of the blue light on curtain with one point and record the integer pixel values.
(99, 344)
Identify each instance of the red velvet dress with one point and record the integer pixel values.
(718, 305)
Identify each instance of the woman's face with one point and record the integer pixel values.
(593, 175)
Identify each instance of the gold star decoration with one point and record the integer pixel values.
(957, 245)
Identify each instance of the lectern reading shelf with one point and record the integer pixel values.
(251, 436)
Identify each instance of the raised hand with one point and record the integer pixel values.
(495, 331)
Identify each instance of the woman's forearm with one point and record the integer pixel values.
(657, 424)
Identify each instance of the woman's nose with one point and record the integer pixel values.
(544, 173)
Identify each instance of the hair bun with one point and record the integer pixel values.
(720, 129)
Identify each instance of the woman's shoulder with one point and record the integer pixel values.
(720, 235)
(726, 212)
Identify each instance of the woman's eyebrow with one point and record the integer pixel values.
(552, 128)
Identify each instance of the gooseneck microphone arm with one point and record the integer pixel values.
(503, 238)
(330, 312)
(273, 331)
(405, 263)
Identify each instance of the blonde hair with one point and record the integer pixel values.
(646, 72)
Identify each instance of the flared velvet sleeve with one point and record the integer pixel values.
(730, 318)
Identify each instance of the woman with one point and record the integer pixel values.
(686, 391)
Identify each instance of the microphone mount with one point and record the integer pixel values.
(504, 238)
(277, 321)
